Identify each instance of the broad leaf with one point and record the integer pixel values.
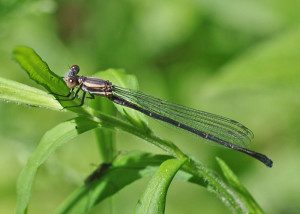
(154, 198)
(51, 141)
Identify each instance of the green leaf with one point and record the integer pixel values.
(124, 170)
(203, 176)
(154, 197)
(12, 91)
(39, 71)
(121, 78)
(105, 138)
(106, 143)
(252, 206)
(51, 141)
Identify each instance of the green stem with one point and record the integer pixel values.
(209, 178)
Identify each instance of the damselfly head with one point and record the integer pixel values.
(74, 70)
(71, 81)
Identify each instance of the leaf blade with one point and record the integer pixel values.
(15, 92)
(38, 70)
(252, 205)
(53, 139)
(124, 171)
(154, 198)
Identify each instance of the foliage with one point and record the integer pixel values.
(239, 59)
(87, 196)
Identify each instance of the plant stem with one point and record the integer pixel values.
(208, 178)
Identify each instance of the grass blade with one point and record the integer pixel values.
(252, 205)
(12, 91)
(53, 139)
(154, 198)
(106, 139)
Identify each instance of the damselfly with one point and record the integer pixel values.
(214, 128)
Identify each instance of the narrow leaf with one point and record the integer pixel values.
(122, 172)
(51, 141)
(233, 180)
(105, 138)
(39, 71)
(12, 91)
(154, 197)
(207, 178)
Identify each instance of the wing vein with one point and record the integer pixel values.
(219, 126)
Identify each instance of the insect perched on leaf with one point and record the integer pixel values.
(214, 128)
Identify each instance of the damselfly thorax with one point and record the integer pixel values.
(96, 86)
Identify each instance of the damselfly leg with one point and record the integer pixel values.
(70, 96)
(91, 96)
(60, 95)
(81, 101)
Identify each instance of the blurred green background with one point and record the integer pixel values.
(240, 59)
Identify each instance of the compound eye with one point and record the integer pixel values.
(74, 69)
(71, 82)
